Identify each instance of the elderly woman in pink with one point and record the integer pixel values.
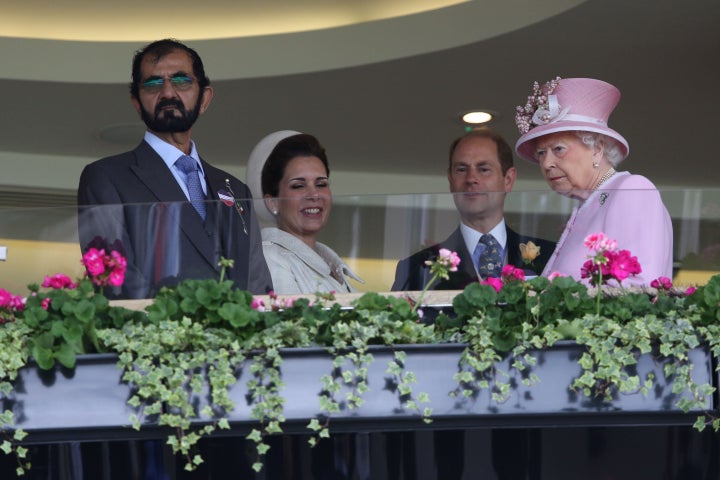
(564, 130)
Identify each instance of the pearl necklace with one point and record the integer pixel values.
(605, 178)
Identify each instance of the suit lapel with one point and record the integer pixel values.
(215, 181)
(513, 248)
(155, 175)
(152, 171)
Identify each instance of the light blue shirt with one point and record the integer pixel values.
(170, 154)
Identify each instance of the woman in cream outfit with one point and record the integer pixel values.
(290, 171)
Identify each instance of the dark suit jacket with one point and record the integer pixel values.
(412, 274)
(133, 201)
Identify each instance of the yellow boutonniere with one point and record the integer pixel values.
(529, 252)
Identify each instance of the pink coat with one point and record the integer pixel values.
(627, 208)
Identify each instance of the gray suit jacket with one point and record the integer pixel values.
(132, 202)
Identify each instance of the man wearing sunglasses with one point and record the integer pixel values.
(159, 203)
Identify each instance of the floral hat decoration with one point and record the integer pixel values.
(567, 104)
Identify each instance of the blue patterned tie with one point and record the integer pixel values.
(490, 264)
(189, 167)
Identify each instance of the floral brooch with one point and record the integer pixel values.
(529, 252)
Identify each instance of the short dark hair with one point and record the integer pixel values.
(158, 49)
(301, 145)
(505, 153)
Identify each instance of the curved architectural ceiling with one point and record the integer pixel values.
(381, 83)
(248, 39)
(140, 21)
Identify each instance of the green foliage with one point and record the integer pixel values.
(218, 304)
(62, 323)
(401, 381)
(13, 356)
(194, 341)
(180, 371)
(374, 320)
(707, 301)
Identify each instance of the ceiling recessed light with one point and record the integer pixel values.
(477, 117)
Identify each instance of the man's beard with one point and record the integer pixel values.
(167, 121)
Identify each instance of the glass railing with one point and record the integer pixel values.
(370, 232)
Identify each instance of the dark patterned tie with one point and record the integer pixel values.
(189, 167)
(490, 264)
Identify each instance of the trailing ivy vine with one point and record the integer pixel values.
(14, 355)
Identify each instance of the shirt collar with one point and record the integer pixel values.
(170, 153)
(472, 236)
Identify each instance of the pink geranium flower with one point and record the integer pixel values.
(58, 281)
(440, 267)
(599, 242)
(117, 261)
(18, 303)
(94, 261)
(554, 275)
(105, 269)
(622, 264)
(10, 304)
(607, 263)
(5, 297)
(588, 269)
(116, 278)
(661, 283)
(510, 272)
(258, 304)
(494, 282)
(446, 258)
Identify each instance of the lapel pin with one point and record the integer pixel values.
(230, 197)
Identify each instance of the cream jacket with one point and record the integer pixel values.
(298, 269)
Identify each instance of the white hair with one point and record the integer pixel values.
(611, 147)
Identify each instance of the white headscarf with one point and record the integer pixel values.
(256, 162)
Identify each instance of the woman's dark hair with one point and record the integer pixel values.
(301, 145)
(157, 50)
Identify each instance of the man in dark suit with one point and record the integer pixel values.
(138, 201)
(480, 174)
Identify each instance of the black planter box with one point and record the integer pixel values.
(90, 402)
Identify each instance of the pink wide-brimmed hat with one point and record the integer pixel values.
(567, 104)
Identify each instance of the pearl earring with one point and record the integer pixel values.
(274, 212)
(595, 164)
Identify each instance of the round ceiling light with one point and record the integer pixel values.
(477, 117)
